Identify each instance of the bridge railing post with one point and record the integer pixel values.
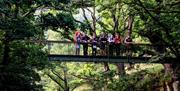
(49, 47)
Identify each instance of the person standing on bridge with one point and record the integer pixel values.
(117, 41)
(94, 41)
(128, 42)
(111, 44)
(120, 66)
(103, 43)
(85, 40)
(77, 40)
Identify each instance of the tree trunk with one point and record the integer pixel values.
(121, 68)
(94, 19)
(6, 50)
(106, 67)
(130, 23)
(66, 87)
(176, 75)
(172, 70)
(129, 32)
(176, 86)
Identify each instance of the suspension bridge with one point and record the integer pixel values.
(64, 51)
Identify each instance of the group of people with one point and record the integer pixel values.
(108, 43)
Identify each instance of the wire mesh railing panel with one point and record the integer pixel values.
(70, 48)
(61, 50)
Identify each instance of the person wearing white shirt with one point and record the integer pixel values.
(111, 44)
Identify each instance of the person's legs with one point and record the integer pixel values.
(104, 52)
(111, 50)
(85, 49)
(117, 49)
(129, 50)
(123, 50)
(77, 49)
(94, 51)
(101, 52)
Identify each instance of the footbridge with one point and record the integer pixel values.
(64, 51)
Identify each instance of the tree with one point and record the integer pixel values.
(112, 19)
(20, 57)
(159, 24)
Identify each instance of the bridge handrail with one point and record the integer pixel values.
(57, 41)
(69, 42)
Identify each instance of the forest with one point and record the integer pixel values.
(26, 26)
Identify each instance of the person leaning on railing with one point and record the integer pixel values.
(85, 40)
(128, 43)
(103, 42)
(111, 44)
(94, 42)
(117, 41)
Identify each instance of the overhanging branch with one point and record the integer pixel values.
(164, 26)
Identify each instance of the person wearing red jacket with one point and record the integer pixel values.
(117, 41)
(77, 41)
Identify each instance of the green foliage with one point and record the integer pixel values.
(61, 75)
(155, 21)
(162, 28)
(21, 73)
(17, 24)
(28, 54)
(61, 20)
(19, 78)
(142, 80)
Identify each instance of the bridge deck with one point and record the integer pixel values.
(110, 59)
(64, 51)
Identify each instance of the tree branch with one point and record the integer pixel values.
(29, 12)
(155, 19)
(166, 29)
(74, 18)
(84, 14)
(55, 81)
(102, 25)
(89, 10)
(163, 11)
(91, 13)
(55, 73)
(85, 78)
